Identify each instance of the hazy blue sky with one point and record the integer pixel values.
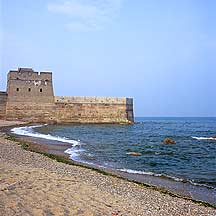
(160, 52)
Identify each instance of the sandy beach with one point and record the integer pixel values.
(32, 184)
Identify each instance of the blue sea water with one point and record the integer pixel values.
(192, 158)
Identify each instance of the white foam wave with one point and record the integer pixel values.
(138, 172)
(149, 173)
(167, 176)
(204, 138)
(74, 153)
(201, 185)
(28, 131)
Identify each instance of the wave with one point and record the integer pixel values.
(28, 131)
(204, 138)
(150, 173)
(74, 153)
(166, 176)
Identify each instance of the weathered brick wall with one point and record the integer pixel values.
(129, 109)
(3, 101)
(31, 98)
(30, 112)
(94, 109)
(29, 86)
(71, 112)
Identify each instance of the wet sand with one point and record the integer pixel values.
(32, 184)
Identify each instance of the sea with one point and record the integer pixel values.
(187, 167)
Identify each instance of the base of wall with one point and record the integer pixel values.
(65, 113)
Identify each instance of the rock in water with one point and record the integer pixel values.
(214, 137)
(169, 141)
(134, 154)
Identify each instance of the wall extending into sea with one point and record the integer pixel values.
(94, 109)
(30, 97)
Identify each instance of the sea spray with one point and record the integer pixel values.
(29, 131)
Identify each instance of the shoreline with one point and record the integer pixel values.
(166, 184)
(104, 176)
(159, 183)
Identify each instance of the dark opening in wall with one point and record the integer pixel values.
(17, 89)
(29, 89)
(41, 90)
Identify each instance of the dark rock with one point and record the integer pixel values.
(169, 141)
(214, 137)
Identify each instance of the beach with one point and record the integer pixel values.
(33, 184)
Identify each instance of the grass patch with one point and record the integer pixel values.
(61, 159)
(11, 138)
(25, 145)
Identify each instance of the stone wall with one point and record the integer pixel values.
(3, 101)
(31, 98)
(129, 109)
(31, 112)
(74, 110)
(69, 113)
(25, 85)
(94, 109)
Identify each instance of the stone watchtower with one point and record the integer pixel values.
(29, 94)
(25, 85)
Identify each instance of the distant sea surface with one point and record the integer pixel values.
(192, 159)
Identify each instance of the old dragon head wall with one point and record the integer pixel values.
(30, 98)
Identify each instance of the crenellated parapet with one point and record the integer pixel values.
(87, 99)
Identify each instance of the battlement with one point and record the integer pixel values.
(29, 74)
(92, 100)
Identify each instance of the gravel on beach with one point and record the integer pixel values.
(32, 184)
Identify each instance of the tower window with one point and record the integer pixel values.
(29, 89)
(17, 89)
(41, 90)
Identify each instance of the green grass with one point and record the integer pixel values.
(11, 138)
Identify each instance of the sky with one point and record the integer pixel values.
(161, 53)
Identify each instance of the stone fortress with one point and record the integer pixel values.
(30, 97)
